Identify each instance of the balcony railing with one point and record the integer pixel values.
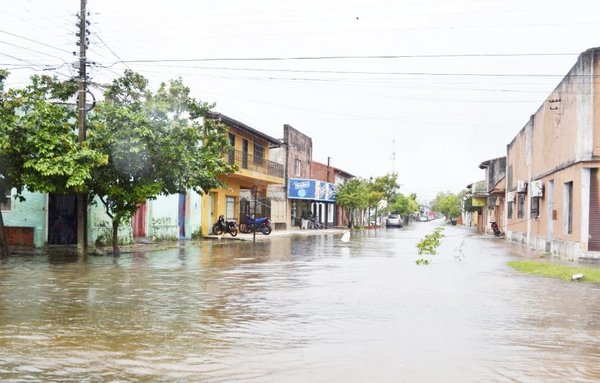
(256, 164)
(479, 189)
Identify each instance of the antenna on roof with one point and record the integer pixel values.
(393, 156)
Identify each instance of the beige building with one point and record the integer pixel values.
(552, 179)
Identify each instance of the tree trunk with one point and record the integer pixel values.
(115, 238)
(3, 241)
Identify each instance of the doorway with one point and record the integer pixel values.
(62, 219)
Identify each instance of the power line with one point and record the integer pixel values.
(247, 69)
(32, 50)
(111, 51)
(349, 57)
(35, 41)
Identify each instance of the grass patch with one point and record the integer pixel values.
(565, 273)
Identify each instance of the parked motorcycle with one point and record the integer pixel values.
(260, 224)
(223, 226)
(496, 230)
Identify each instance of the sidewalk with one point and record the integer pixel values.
(276, 233)
(147, 245)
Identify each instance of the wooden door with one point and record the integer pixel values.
(138, 221)
(62, 219)
(594, 242)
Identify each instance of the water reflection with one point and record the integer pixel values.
(296, 309)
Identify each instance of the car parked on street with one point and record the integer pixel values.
(394, 220)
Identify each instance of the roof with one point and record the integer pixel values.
(487, 163)
(336, 170)
(274, 142)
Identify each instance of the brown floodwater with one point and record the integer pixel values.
(297, 309)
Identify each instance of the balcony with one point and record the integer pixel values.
(479, 189)
(246, 161)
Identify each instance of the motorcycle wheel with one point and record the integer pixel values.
(266, 230)
(243, 228)
(217, 229)
(233, 231)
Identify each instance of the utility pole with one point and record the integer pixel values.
(82, 245)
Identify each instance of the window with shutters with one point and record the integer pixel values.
(535, 207)
(259, 154)
(230, 208)
(521, 205)
(568, 206)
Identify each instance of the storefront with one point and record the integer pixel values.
(311, 198)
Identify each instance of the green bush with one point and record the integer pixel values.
(431, 242)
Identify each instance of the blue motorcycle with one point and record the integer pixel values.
(249, 224)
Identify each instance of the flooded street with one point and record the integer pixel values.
(297, 309)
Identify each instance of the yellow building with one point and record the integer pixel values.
(251, 154)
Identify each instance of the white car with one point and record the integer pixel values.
(394, 220)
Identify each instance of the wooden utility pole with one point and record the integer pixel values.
(82, 245)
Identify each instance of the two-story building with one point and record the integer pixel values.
(250, 152)
(552, 176)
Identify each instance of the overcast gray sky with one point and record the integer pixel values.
(443, 85)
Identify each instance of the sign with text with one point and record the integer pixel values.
(303, 188)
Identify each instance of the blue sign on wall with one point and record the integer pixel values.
(303, 188)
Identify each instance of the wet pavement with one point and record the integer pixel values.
(297, 308)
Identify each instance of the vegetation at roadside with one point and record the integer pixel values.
(140, 144)
(360, 195)
(448, 204)
(429, 245)
(556, 271)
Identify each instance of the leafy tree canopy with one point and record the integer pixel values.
(447, 204)
(405, 205)
(157, 143)
(38, 139)
(39, 148)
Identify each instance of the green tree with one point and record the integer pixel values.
(156, 143)
(405, 205)
(352, 195)
(383, 187)
(374, 196)
(39, 148)
(388, 185)
(448, 204)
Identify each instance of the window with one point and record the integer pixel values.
(510, 209)
(245, 154)
(259, 154)
(297, 168)
(232, 148)
(7, 204)
(535, 207)
(521, 205)
(569, 207)
(230, 208)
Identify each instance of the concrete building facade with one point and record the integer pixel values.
(552, 176)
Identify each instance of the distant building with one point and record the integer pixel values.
(494, 191)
